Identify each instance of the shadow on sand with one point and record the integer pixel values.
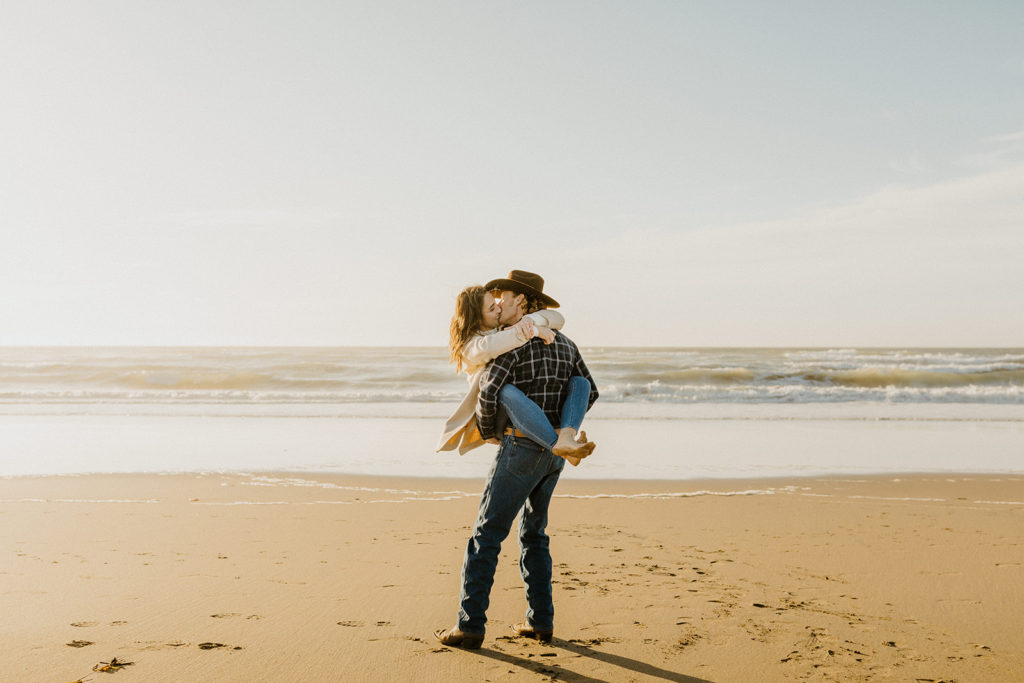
(541, 664)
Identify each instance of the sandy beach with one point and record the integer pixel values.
(298, 577)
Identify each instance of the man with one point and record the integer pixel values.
(523, 475)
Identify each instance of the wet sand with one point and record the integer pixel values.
(298, 577)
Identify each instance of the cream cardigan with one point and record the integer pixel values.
(460, 431)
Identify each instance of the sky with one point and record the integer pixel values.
(328, 173)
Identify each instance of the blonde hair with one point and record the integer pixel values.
(466, 323)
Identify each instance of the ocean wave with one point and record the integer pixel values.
(898, 377)
(792, 393)
(234, 396)
(653, 392)
(924, 357)
(419, 375)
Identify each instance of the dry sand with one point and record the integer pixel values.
(846, 579)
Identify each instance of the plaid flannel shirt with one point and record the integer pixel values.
(541, 371)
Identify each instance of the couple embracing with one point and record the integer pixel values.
(529, 391)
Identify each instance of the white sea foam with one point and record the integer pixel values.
(260, 480)
(1000, 502)
(744, 413)
(77, 500)
(422, 375)
(908, 499)
(669, 494)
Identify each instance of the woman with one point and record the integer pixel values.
(473, 343)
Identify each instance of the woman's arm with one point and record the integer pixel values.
(547, 318)
(483, 348)
(545, 322)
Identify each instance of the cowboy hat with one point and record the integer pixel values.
(522, 282)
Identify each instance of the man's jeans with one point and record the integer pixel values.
(523, 476)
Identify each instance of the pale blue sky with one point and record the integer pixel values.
(682, 173)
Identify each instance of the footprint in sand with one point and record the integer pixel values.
(593, 641)
(214, 646)
(232, 615)
(157, 645)
(350, 623)
(85, 624)
(79, 643)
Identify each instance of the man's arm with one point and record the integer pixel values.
(494, 378)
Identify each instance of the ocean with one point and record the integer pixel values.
(422, 375)
(691, 412)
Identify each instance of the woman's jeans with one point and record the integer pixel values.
(531, 420)
(522, 477)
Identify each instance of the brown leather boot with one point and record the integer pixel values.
(457, 638)
(528, 631)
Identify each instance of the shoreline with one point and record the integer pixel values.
(652, 449)
(325, 576)
(615, 485)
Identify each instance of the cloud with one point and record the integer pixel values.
(1001, 150)
(1011, 137)
(934, 264)
(984, 208)
(912, 166)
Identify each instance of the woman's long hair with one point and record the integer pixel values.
(467, 321)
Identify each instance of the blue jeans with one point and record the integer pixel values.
(530, 419)
(522, 477)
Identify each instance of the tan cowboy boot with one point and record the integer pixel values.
(457, 638)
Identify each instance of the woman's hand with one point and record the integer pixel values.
(545, 333)
(525, 329)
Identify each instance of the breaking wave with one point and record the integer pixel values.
(422, 375)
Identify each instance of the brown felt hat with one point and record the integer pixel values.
(522, 282)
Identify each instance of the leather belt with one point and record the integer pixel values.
(512, 431)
